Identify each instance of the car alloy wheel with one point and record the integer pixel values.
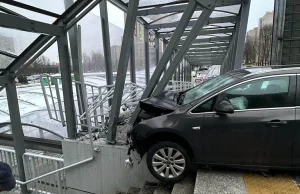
(168, 162)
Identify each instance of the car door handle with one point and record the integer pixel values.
(196, 128)
(276, 123)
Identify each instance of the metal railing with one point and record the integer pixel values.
(8, 156)
(98, 98)
(35, 166)
(178, 86)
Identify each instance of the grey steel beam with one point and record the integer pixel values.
(147, 62)
(122, 69)
(241, 34)
(182, 51)
(208, 58)
(203, 32)
(213, 39)
(74, 40)
(209, 45)
(182, 71)
(5, 79)
(132, 62)
(204, 53)
(207, 62)
(278, 30)
(30, 8)
(24, 24)
(226, 61)
(208, 49)
(156, 48)
(178, 72)
(218, 20)
(167, 54)
(8, 54)
(42, 40)
(8, 11)
(17, 131)
(181, 8)
(207, 54)
(33, 143)
(65, 68)
(233, 53)
(106, 42)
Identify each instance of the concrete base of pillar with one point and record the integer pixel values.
(106, 173)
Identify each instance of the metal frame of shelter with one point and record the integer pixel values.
(194, 33)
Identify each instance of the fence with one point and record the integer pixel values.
(177, 86)
(36, 165)
(98, 98)
(98, 101)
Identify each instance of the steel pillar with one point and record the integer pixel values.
(167, 54)
(241, 34)
(132, 62)
(122, 69)
(65, 68)
(17, 131)
(182, 70)
(178, 72)
(182, 51)
(147, 62)
(73, 39)
(278, 29)
(156, 48)
(106, 42)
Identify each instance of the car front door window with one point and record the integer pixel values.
(269, 92)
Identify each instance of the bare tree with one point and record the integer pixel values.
(265, 43)
(93, 62)
(250, 50)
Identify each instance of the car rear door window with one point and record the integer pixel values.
(271, 92)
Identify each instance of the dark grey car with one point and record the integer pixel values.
(248, 117)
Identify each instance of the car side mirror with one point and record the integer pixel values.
(224, 107)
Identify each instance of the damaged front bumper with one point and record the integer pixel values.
(135, 142)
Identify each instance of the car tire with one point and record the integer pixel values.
(169, 162)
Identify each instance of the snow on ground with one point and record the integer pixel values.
(33, 108)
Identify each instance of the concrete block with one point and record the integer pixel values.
(106, 174)
(185, 186)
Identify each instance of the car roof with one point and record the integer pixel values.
(253, 72)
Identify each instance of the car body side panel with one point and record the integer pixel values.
(296, 146)
(245, 138)
(178, 124)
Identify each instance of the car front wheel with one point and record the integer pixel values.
(168, 161)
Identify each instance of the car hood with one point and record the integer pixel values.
(166, 102)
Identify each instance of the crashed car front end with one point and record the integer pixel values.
(153, 107)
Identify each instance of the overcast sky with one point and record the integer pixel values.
(257, 10)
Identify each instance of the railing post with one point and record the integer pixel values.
(17, 131)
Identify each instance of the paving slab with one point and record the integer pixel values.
(221, 182)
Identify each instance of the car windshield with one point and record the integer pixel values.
(206, 87)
